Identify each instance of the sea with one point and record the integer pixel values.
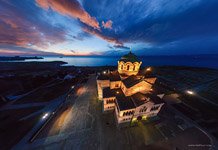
(208, 61)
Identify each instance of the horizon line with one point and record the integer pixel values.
(103, 55)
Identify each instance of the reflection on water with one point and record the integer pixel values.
(83, 61)
(197, 61)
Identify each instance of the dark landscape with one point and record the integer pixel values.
(108, 75)
(32, 89)
(17, 58)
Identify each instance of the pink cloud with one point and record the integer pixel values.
(71, 8)
(15, 29)
(100, 35)
(107, 25)
(20, 32)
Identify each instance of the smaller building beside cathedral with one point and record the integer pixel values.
(128, 91)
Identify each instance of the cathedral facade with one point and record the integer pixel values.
(128, 91)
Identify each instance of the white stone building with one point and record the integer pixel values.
(128, 91)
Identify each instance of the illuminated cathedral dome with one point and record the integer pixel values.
(130, 57)
(129, 64)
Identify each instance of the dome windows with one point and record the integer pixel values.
(129, 64)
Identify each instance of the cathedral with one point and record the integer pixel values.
(128, 91)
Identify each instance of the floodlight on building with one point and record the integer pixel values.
(134, 119)
(144, 117)
(190, 92)
(45, 116)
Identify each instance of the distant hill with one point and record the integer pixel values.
(14, 58)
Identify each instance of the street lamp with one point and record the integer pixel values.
(104, 72)
(148, 69)
(45, 116)
(190, 92)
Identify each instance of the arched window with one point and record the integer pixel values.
(127, 67)
(121, 66)
(133, 67)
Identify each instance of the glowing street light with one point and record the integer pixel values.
(104, 72)
(117, 92)
(72, 87)
(45, 116)
(148, 69)
(190, 92)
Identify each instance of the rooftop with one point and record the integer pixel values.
(154, 98)
(130, 57)
(112, 76)
(103, 77)
(124, 103)
(131, 102)
(132, 80)
(139, 99)
(107, 92)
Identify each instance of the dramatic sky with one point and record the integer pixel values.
(108, 27)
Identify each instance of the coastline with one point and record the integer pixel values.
(18, 58)
(31, 65)
(209, 61)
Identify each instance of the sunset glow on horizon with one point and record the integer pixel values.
(78, 27)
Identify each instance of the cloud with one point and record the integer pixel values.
(16, 28)
(73, 51)
(100, 35)
(157, 21)
(71, 8)
(107, 25)
(113, 52)
(164, 25)
(121, 47)
(114, 40)
(81, 36)
(109, 46)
